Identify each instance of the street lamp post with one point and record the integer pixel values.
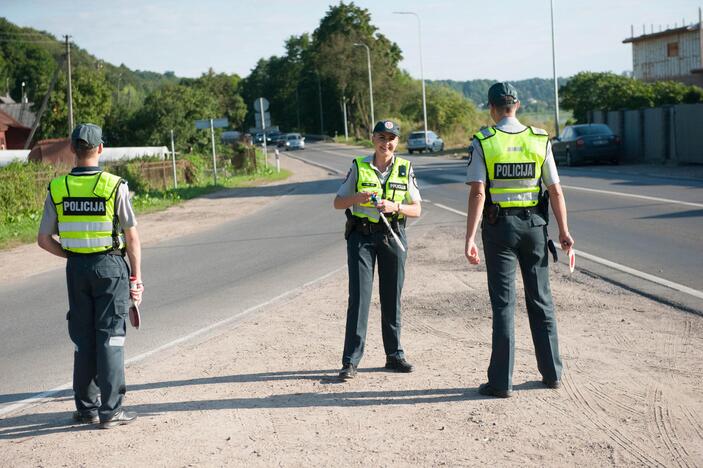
(554, 69)
(368, 63)
(422, 73)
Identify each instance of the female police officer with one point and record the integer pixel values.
(390, 182)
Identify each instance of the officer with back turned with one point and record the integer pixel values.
(90, 211)
(389, 180)
(507, 165)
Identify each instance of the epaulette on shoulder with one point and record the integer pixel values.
(539, 131)
(485, 133)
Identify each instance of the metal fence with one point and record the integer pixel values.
(659, 134)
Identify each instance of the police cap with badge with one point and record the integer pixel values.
(387, 126)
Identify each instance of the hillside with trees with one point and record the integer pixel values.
(536, 94)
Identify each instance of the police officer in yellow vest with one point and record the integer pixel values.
(392, 180)
(90, 212)
(507, 165)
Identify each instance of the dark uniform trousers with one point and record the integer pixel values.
(98, 297)
(362, 253)
(523, 240)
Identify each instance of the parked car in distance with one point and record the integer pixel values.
(277, 137)
(292, 141)
(586, 143)
(416, 142)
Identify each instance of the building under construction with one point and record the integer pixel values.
(669, 54)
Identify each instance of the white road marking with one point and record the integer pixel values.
(630, 195)
(50, 394)
(444, 207)
(314, 163)
(616, 266)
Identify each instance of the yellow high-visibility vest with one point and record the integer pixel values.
(514, 165)
(395, 189)
(85, 205)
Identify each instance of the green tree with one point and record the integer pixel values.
(226, 91)
(175, 107)
(92, 101)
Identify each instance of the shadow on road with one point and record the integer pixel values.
(33, 425)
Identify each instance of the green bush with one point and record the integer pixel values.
(23, 189)
(131, 171)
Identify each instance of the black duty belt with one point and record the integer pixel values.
(525, 212)
(118, 253)
(366, 227)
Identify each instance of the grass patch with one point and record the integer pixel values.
(365, 142)
(22, 229)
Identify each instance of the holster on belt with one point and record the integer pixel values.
(491, 212)
(349, 225)
(543, 206)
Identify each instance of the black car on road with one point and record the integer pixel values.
(586, 143)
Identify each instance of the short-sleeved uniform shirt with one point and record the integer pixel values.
(348, 187)
(476, 170)
(50, 220)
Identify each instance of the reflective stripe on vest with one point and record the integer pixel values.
(514, 165)
(85, 206)
(395, 189)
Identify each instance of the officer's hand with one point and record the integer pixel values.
(136, 293)
(566, 241)
(471, 252)
(362, 197)
(387, 206)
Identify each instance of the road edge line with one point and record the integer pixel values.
(616, 266)
(44, 397)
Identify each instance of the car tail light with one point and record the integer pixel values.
(580, 142)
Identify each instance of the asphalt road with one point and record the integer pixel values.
(199, 280)
(648, 223)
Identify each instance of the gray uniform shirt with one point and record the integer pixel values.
(348, 187)
(50, 219)
(476, 170)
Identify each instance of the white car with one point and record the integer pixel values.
(416, 142)
(293, 141)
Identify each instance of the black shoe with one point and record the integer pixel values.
(398, 364)
(487, 390)
(118, 419)
(85, 418)
(551, 383)
(348, 372)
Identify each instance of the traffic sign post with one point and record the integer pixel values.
(173, 158)
(212, 124)
(261, 105)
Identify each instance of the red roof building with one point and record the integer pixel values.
(12, 133)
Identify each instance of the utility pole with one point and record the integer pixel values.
(344, 109)
(173, 158)
(70, 92)
(554, 69)
(319, 95)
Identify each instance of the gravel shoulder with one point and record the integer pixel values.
(264, 392)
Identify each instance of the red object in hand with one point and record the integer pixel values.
(134, 316)
(572, 260)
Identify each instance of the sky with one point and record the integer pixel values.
(461, 40)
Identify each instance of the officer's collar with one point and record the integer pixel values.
(85, 169)
(508, 121)
(372, 159)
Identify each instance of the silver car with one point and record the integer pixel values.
(416, 142)
(293, 141)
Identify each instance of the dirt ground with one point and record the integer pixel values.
(264, 392)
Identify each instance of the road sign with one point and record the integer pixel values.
(261, 104)
(216, 123)
(267, 119)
